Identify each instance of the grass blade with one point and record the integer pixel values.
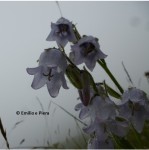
(69, 113)
(129, 78)
(4, 133)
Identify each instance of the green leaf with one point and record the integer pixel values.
(122, 143)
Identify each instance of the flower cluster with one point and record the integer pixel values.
(102, 114)
(53, 62)
(107, 121)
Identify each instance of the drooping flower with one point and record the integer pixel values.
(99, 107)
(134, 107)
(52, 65)
(99, 111)
(62, 32)
(87, 50)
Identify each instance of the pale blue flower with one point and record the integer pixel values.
(62, 32)
(87, 51)
(50, 72)
(102, 113)
(99, 107)
(134, 107)
(99, 111)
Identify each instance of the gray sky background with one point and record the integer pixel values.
(123, 32)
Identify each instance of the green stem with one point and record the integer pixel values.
(78, 36)
(137, 136)
(104, 66)
(114, 140)
(63, 50)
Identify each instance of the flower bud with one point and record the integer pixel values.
(85, 91)
(74, 76)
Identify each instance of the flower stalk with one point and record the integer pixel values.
(104, 66)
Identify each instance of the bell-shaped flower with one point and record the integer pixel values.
(134, 95)
(99, 111)
(103, 108)
(134, 107)
(87, 51)
(50, 72)
(62, 32)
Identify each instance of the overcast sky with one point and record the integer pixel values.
(123, 32)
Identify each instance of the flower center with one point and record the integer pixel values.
(63, 29)
(49, 75)
(87, 48)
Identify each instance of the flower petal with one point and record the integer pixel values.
(84, 113)
(38, 81)
(64, 84)
(138, 120)
(51, 36)
(78, 106)
(125, 111)
(61, 41)
(33, 71)
(89, 129)
(137, 95)
(54, 85)
(71, 37)
(118, 128)
(78, 57)
(90, 61)
(52, 58)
